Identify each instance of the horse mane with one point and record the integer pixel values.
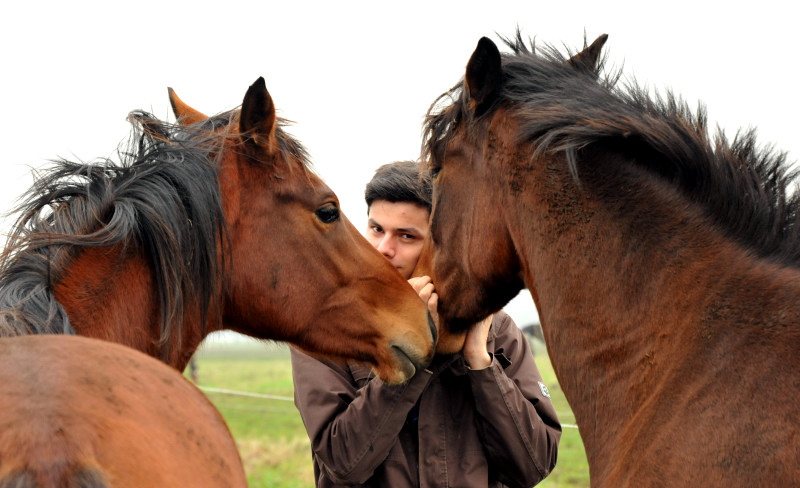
(162, 198)
(746, 189)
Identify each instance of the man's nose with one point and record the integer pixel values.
(386, 247)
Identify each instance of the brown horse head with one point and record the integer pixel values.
(470, 258)
(322, 285)
(216, 222)
(474, 250)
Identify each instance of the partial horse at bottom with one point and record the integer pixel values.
(81, 412)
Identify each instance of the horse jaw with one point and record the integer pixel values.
(450, 343)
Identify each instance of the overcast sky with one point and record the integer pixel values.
(357, 77)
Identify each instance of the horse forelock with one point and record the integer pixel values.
(162, 197)
(746, 189)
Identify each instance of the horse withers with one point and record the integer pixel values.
(81, 412)
(211, 223)
(664, 262)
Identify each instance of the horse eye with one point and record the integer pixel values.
(328, 213)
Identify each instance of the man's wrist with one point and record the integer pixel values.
(482, 361)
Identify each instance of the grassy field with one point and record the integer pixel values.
(270, 435)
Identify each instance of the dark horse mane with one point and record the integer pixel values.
(747, 190)
(163, 198)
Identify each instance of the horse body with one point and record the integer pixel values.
(673, 338)
(115, 418)
(663, 380)
(216, 222)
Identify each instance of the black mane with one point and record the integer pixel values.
(163, 198)
(746, 189)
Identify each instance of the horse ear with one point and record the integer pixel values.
(184, 114)
(484, 73)
(257, 121)
(587, 59)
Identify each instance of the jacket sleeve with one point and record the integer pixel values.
(516, 420)
(351, 430)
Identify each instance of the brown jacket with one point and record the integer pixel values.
(487, 428)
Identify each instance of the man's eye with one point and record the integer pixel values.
(328, 213)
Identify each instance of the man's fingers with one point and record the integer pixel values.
(425, 292)
(418, 283)
(433, 307)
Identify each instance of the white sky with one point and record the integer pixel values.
(357, 77)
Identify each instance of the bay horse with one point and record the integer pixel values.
(82, 412)
(663, 261)
(211, 223)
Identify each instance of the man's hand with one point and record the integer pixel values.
(424, 287)
(475, 352)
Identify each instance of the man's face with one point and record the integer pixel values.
(398, 230)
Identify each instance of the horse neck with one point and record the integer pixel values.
(110, 293)
(622, 318)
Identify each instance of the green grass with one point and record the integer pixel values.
(571, 470)
(270, 434)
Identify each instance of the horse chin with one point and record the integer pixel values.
(450, 343)
(401, 369)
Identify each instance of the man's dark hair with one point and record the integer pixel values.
(400, 181)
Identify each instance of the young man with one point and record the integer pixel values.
(480, 418)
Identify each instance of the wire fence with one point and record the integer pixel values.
(265, 396)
